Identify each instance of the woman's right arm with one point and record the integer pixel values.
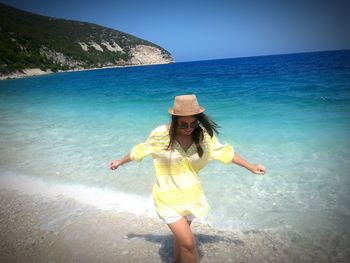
(138, 152)
(116, 163)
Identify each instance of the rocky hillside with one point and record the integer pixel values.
(46, 44)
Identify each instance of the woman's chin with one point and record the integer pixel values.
(183, 132)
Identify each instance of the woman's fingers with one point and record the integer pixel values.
(260, 169)
(114, 165)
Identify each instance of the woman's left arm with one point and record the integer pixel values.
(257, 168)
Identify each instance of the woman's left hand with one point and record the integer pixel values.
(258, 169)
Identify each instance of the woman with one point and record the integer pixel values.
(180, 150)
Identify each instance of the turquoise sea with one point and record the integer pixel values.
(59, 132)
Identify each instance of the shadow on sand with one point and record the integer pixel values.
(166, 243)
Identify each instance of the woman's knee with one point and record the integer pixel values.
(188, 244)
(183, 235)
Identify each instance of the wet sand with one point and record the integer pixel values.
(37, 229)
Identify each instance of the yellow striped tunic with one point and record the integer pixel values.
(177, 189)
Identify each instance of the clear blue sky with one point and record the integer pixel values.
(199, 30)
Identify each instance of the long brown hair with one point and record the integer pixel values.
(197, 135)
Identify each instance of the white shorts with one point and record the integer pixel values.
(170, 220)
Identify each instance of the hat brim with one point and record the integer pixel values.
(171, 111)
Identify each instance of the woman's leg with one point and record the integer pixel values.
(184, 242)
(177, 252)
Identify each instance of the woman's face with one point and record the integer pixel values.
(186, 125)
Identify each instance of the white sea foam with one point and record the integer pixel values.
(104, 199)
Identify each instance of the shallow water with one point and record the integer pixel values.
(289, 112)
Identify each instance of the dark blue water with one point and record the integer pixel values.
(289, 112)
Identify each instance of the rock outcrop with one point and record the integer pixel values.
(142, 54)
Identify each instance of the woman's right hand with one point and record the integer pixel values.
(115, 164)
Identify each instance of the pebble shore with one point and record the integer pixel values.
(37, 229)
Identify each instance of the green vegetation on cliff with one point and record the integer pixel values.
(28, 40)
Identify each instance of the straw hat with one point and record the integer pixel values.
(186, 105)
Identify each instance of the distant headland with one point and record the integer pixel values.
(32, 44)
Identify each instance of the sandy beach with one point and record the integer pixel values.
(32, 72)
(34, 230)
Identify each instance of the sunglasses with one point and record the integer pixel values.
(186, 126)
